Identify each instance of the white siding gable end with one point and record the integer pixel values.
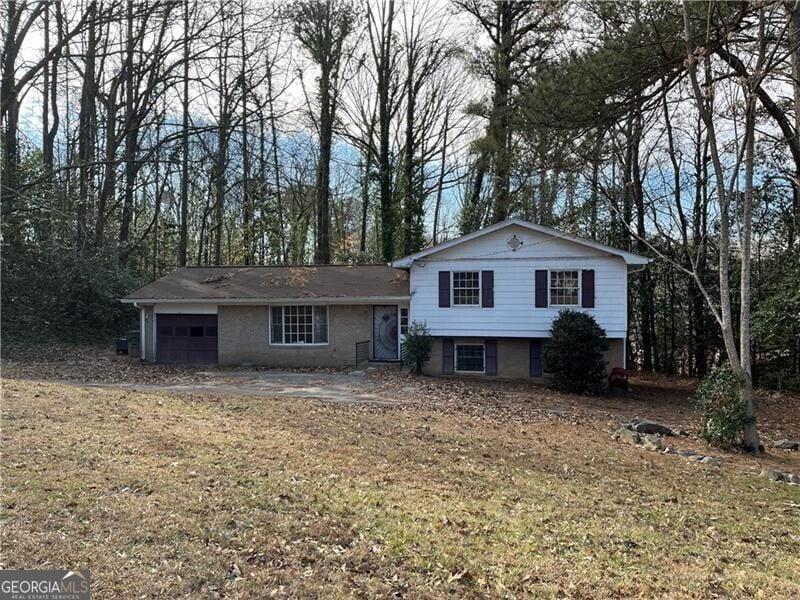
(514, 313)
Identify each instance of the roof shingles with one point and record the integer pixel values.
(272, 283)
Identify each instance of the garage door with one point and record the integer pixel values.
(187, 338)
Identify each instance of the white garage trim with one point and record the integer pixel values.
(186, 309)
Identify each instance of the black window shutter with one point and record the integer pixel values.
(490, 349)
(448, 358)
(541, 288)
(536, 358)
(487, 289)
(444, 289)
(587, 288)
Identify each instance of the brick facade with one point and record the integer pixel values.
(513, 357)
(244, 338)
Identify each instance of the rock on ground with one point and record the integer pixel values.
(650, 427)
(772, 474)
(652, 442)
(626, 435)
(786, 445)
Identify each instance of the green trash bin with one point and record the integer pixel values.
(134, 350)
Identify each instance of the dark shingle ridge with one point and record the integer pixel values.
(282, 266)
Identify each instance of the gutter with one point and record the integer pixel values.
(138, 302)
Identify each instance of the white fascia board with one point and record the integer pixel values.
(629, 257)
(260, 301)
(522, 334)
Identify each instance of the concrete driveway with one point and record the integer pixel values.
(344, 387)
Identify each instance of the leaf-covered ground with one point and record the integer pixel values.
(192, 495)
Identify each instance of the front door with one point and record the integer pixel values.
(384, 332)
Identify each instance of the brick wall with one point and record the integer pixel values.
(243, 338)
(513, 357)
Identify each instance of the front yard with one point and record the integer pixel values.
(171, 495)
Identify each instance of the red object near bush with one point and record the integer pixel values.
(618, 379)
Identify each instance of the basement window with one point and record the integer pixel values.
(470, 358)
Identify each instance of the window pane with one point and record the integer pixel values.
(466, 288)
(564, 288)
(211, 332)
(469, 357)
(196, 331)
(181, 330)
(403, 321)
(165, 330)
(298, 325)
(277, 325)
(320, 325)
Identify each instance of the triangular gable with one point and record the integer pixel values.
(542, 234)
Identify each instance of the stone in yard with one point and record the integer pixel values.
(793, 479)
(687, 453)
(650, 427)
(626, 435)
(772, 474)
(786, 445)
(710, 460)
(652, 442)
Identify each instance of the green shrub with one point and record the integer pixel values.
(721, 409)
(418, 345)
(574, 353)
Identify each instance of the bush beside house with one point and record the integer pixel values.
(574, 353)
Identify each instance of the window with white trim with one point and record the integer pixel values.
(564, 288)
(299, 324)
(403, 321)
(466, 288)
(470, 358)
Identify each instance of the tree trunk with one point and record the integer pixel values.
(499, 123)
(131, 139)
(247, 200)
(322, 253)
(183, 235)
(281, 226)
(440, 182)
(87, 128)
(384, 68)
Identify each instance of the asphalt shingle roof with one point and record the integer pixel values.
(265, 283)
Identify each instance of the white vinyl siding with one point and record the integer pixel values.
(514, 313)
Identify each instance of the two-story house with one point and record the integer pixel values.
(488, 298)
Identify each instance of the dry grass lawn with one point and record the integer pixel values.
(172, 496)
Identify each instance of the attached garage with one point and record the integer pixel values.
(186, 338)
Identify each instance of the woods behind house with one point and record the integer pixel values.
(142, 136)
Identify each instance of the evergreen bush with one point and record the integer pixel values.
(574, 353)
(719, 404)
(418, 345)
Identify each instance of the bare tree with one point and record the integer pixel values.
(322, 28)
